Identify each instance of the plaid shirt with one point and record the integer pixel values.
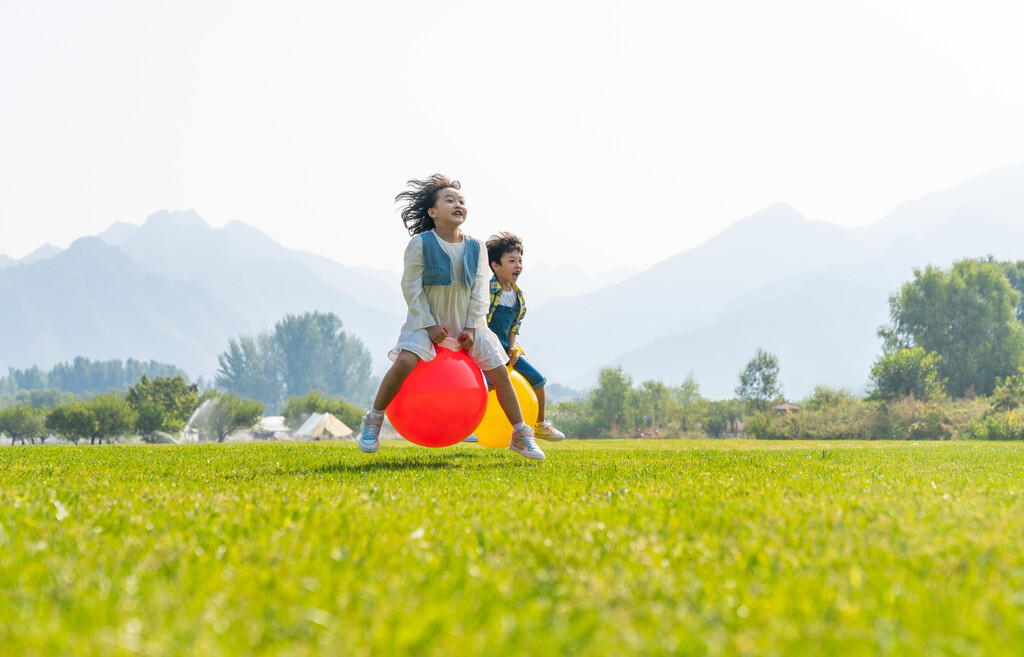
(520, 304)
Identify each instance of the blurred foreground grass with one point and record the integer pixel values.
(607, 548)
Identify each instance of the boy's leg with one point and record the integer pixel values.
(543, 428)
(369, 440)
(522, 435)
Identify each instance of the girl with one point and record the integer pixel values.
(446, 286)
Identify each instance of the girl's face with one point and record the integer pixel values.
(450, 209)
(508, 269)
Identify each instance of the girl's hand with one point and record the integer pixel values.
(467, 338)
(437, 333)
(513, 356)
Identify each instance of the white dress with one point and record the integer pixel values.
(455, 307)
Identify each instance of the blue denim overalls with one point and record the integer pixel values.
(501, 322)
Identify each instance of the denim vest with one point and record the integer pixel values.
(437, 266)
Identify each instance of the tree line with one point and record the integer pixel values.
(83, 375)
(952, 365)
(158, 410)
(307, 364)
(154, 409)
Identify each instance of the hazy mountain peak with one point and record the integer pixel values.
(6, 261)
(176, 219)
(996, 193)
(778, 216)
(91, 246)
(42, 253)
(118, 233)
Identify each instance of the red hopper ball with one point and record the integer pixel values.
(441, 401)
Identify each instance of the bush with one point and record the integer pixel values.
(910, 419)
(826, 397)
(998, 426)
(853, 419)
(1009, 392)
(573, 419)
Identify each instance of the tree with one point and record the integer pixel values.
(23, 422)
(967, 315)
(759, 381)
(226, 414)
(298, 409)
(825, 397)
(304, 352)
(316, 354)
(73, 422)
(162, 404)
(113, 417)
(720, 417)
(251, 368)
(653, 403)
(1014, 272)
(608, 399)
(907, 373)
(689, 402)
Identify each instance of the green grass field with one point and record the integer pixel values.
(607, 548)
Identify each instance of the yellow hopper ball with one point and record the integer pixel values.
(495, 430)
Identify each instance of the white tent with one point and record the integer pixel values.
(322, 425)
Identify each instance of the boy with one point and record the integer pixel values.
(505, 253)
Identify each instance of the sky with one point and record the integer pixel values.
(606, 134)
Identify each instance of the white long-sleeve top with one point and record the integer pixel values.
(456, 307)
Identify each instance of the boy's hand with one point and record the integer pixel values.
(467, 338)
(437, 333)
(513, 353)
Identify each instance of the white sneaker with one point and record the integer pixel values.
(523, 445)
(471, 438)
(369, 440)
(545, 431)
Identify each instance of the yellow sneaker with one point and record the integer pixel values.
(545, 431)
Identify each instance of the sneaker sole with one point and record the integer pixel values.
(528, 456)
(550, 440)
(368, 450)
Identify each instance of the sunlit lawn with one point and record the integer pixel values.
(607, 548)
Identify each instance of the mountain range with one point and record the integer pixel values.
(176, 290)
(813, 293)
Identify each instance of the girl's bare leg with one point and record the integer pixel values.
(395, 377)
(506, 394)
(540, 403)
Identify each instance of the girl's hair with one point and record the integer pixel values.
(421, 198)
(500, 244)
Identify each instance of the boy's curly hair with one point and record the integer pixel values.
(421, 198)
(500, 244)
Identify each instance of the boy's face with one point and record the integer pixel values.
(508, 268)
